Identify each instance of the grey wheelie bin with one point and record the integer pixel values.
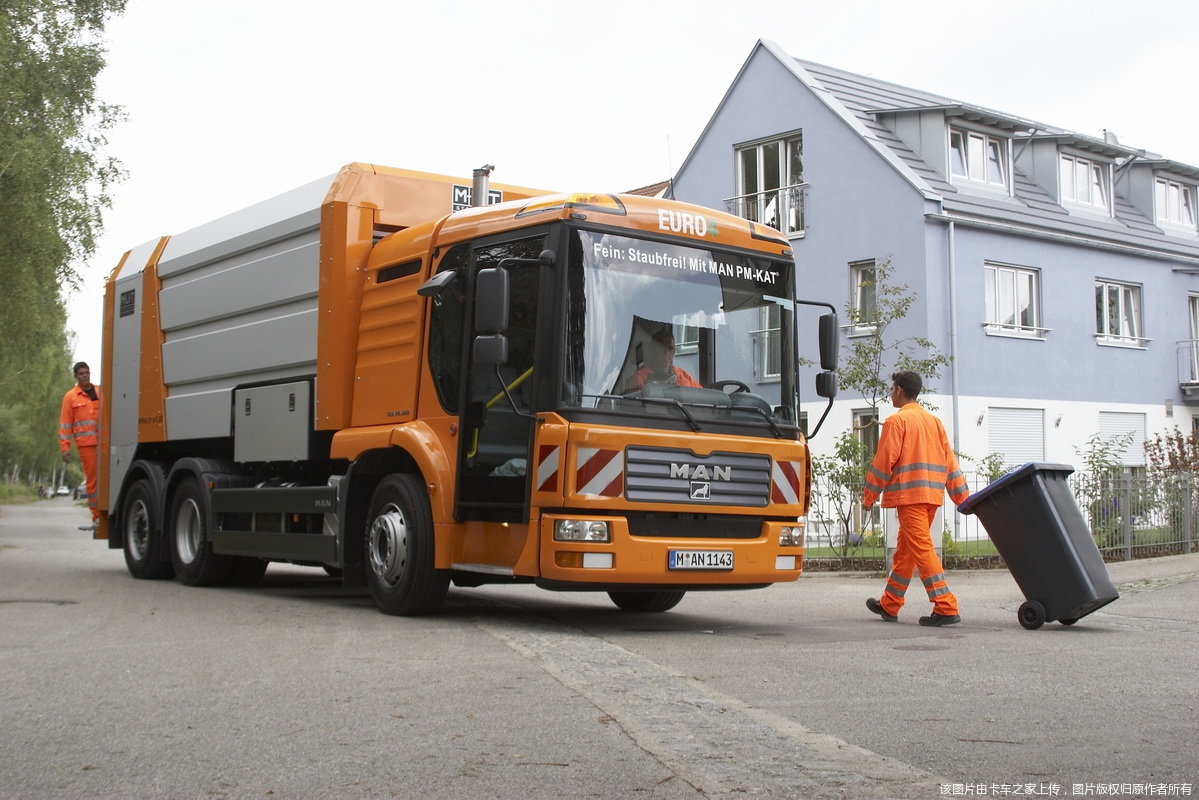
(1036, 525)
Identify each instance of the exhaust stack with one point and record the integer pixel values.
(480, 187)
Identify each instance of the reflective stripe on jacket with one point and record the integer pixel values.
(79, 419)
(914, 462)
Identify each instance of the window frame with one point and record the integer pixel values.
(992, 272)
(857, 269)
(752, 203)
(975, 161)
(1162, 184)
(1126, 289)
(1093, 169)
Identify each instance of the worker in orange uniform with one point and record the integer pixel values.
(914, 465)
(80, 420)
(659, 363)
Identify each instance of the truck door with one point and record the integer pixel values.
(497, 425)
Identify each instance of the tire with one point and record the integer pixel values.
(399, 549)
(143, 543)
(646, 601)
(1031, 615)
(190, 540)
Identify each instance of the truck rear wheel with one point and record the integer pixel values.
(400, 549)
(143, 542)
(191, 542)
(646, 601)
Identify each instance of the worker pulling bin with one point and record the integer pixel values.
(1038, 529)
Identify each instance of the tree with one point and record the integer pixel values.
(54, 183)
(872, 357)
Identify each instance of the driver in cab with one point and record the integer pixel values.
(659, 367)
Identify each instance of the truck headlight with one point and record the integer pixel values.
(581, 530)
(793, 535)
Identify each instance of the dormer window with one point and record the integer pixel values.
(978, 157)
(1084, 182)
(1175, 203)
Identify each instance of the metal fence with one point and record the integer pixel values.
(1131, 515)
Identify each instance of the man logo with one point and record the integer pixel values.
(701, 490)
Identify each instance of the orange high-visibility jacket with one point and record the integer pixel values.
(914, 462)
(80, 419)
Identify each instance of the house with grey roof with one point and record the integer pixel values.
(1059, 270)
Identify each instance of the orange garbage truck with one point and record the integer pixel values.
(374, 375)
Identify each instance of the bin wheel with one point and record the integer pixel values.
(1031, 615)
(1068, 621)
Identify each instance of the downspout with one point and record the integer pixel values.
(953, 335)
(953, 354)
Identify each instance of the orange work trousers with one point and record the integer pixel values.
(87, 456)
(914, 552)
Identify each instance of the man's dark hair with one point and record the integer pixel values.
(909, 382)
(78, 366)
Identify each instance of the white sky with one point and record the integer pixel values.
(232, 101)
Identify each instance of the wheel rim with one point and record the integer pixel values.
(188, 531)
(137, 531)
(388, 545)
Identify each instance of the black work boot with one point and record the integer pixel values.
(936, 620)
(877, 607)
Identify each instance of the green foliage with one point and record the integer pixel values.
(872, 357)
(990, 468)
(54, 183)
(1096, 485)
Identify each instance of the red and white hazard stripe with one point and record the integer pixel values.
(548, 461)
(784, 480)
(599, 472)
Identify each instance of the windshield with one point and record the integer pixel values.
(681, 332)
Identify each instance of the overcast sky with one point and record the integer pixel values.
(229, 102)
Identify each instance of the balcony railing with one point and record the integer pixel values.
(781, 209)
(1188, 366)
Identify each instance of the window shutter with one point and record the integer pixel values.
(1114, 424)
(1017, 433)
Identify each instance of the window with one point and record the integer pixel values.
(1084, 182)
(1175, 203)
(978, 157)
(1013, 297)
(1190, 374)
(1017, 434)
(770, 183)
(863, 293)
(1127, 430)
(1118, 313)
(769, 353)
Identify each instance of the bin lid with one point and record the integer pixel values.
(1017, 474)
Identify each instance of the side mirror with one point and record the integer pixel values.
(826, 384)
(830, 344)
(491, 301)
(491, 350)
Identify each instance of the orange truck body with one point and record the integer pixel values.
(307, 381)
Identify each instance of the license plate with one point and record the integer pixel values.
(701, 559)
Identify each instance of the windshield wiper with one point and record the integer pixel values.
(778, 432)
(662, 401)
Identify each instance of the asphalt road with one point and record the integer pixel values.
(113, 687)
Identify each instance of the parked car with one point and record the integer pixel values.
(80, 492)
(63, 491)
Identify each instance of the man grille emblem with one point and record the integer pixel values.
(701, 490)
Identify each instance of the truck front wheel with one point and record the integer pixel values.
(400, 549)
(646, 601)
(191, 543)
(143, 543)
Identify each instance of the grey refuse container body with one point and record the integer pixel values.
(1033, 519)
